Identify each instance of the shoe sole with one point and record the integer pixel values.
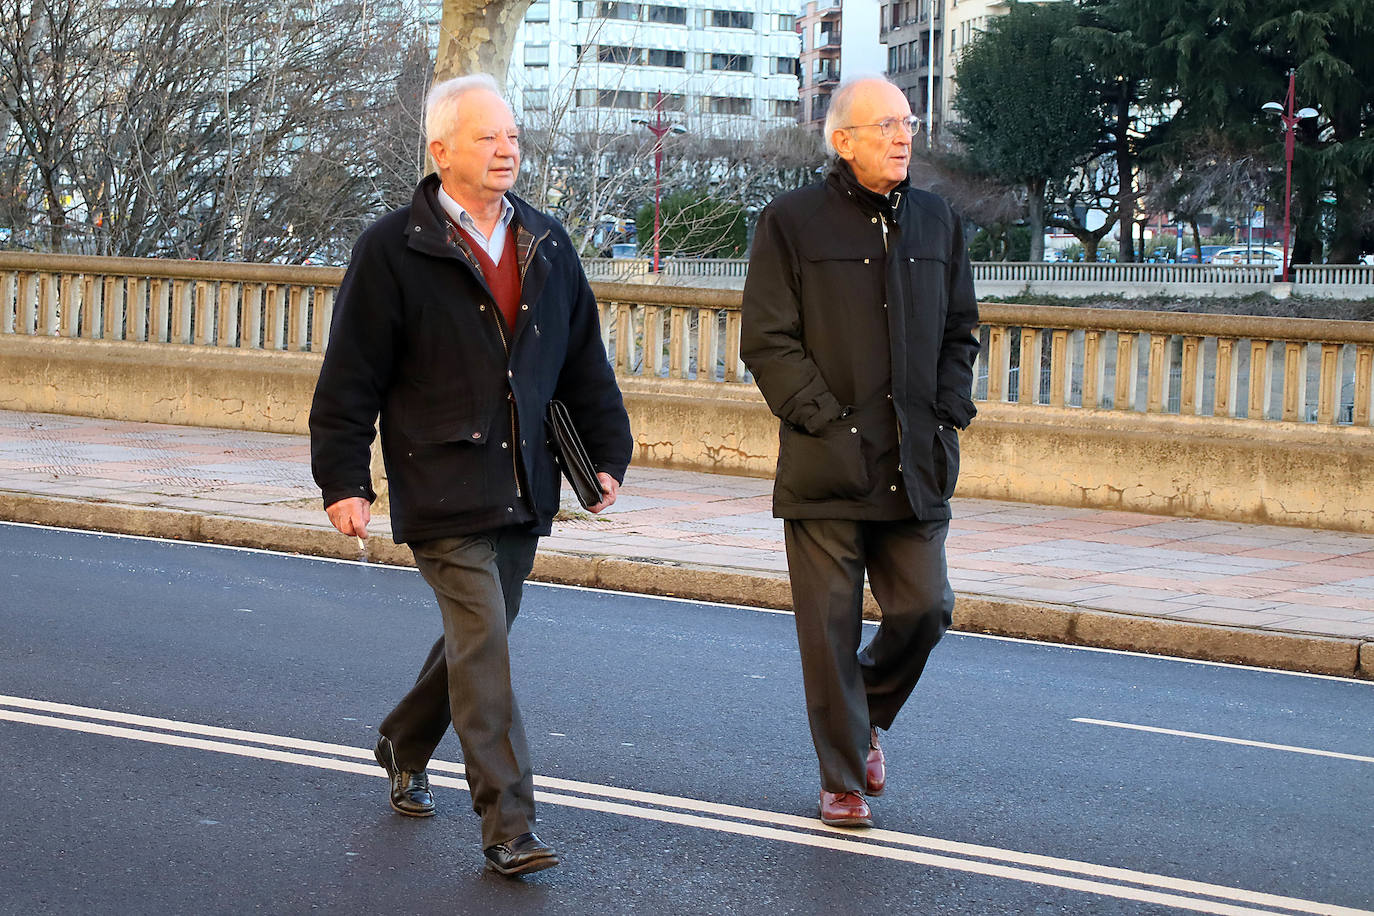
(531, 866)
(424, 812)
(848, 822)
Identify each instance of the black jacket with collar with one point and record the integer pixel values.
(860, 328)
(416, 336)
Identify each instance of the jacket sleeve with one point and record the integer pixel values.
(354, 377)
(771, 335)
(959, 349)
(587, 385)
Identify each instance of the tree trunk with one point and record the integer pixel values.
(1197, 239)
(476, 36)
(1035, 206)
(1125, 170)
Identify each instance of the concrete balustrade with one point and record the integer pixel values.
(1227, 417)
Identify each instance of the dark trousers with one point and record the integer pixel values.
(848, 690)
(466, 677)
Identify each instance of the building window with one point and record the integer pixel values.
(667, 15)
(607, 9)
(725, 104)
(660, 58)
(627, 100)
(785, 65)
(616, 54)
(731, 19)
(787, 22)
(536, 55)
(785, 108)
(740, 63)
(538, 11)
(820, 104)
(536, 99)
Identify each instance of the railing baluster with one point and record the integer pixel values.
(204, 303)
(1294, 381)
(1059, 347)
(7, 304)
(1329, 387)
(158, 330)
(138, 310)
(1028, 375)
(295, 317)
(23, 310)
(624, 337)
(1125, 371)
(250, 318)
(1093, 369)
(110, 308)
(653, 340)
(678, 342)
(1228, 378)
(734, 369)
(1190, 393)
(1259, 380)
(271, 333)
(322, 316)
(47, 305)
(706, 344)
(1158, 373)
(226, 315)
(1364, 384)
(68, 312)
(180, 330)
(999, 359)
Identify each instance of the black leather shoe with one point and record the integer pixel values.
(520, 856)
(410, 793)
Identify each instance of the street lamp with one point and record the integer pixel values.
(1290, 121)
(659, 128)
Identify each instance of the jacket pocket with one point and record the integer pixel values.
(945, 453)
(829, 465)
(449, 426)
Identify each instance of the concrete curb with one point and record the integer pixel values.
(1066, 624)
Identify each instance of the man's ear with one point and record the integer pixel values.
(843, 143)
(438, 154)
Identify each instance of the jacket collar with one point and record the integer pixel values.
(841, 177)
(427, 229)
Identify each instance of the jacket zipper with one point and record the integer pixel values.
(882, 221)
(510, 399)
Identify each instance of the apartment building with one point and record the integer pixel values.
(838, 41)
(719, 68)
(913, 32)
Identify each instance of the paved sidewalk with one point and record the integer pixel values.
(1191, 587)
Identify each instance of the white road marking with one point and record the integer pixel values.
(671, 599)
(690, 812)
(1292, 749)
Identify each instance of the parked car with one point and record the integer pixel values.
(1255, 254)
(1189, 255)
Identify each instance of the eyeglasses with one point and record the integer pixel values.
(910, 125)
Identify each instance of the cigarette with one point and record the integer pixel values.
(362, 545)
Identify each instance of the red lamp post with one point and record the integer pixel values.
(659, 128)
(1290, 121)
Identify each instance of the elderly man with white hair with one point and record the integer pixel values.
(461, 316)
(859, 326)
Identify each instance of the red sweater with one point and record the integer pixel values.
(503, 278)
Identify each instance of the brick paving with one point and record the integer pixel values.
(1255, 576)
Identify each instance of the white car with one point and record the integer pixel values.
(1255, 254)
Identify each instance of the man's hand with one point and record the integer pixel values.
(351, 515)
(609, 490)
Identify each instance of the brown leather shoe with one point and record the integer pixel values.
(845, 809)
(877, 767)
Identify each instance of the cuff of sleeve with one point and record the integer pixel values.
(827, 411)
(956, 410)
(331, 495)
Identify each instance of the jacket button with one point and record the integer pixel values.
(889, 397)
(853, 429)
(893, 488)
(865, 260)
(481, 308)
(555, 243)
(899, 467)
(505, 445)
(525, 307)
(510, 374)
(417, 228)
(875, 219)
(476, 435)
(941, 426)
(510, 508)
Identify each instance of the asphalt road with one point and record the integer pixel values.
(188, 729)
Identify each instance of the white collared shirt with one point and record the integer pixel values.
(493, 246)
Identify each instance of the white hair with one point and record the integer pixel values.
(841, 101)
(441, 105)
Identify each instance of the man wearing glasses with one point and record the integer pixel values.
(860, 328)
(461, 315)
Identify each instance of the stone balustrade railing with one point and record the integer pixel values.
(1221, 366)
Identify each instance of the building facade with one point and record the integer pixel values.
(837, 42)
(719, 68)
(913, 33)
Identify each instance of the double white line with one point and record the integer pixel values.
(933, 852)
